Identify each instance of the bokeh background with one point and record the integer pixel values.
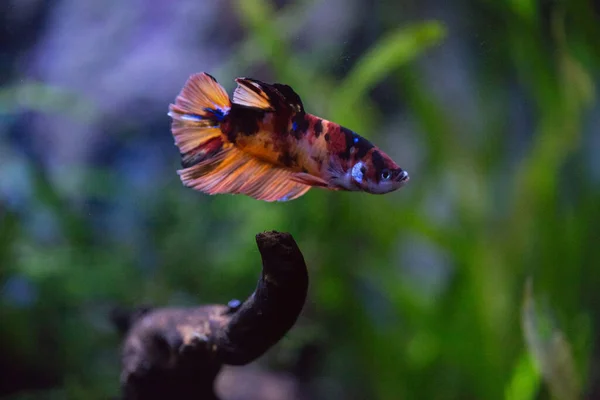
(490, 105)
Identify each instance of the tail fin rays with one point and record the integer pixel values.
(198, 110)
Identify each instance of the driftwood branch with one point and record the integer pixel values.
(176, 353)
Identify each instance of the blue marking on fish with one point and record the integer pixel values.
(218, 113)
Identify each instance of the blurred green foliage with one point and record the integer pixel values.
(385, 332)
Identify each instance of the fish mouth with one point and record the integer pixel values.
(403, 177)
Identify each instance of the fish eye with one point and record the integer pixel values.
(385, 174)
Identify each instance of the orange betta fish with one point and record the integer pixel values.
(264, 145)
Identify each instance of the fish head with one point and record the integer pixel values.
(377, 173)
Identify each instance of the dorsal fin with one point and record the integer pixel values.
(257, 94)
(290, 97)
(250, 93)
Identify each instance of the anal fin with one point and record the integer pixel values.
(236, 172)
(308, 179)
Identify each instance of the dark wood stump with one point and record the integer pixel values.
(176, 353)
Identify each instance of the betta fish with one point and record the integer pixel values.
(264, 145)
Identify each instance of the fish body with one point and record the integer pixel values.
(263, 144)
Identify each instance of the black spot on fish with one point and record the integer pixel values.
(349, 136)
(289, 97)
(200, 172)
(318, 161)
(191, 160)
(327, 137)
(201, 153)
(243, 121)
(232, 135)
(318, 128)
(362, 145)
(299, 125)
(378, 163)
(304, 170)
(287, 159)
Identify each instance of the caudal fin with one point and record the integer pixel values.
(197, 114)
